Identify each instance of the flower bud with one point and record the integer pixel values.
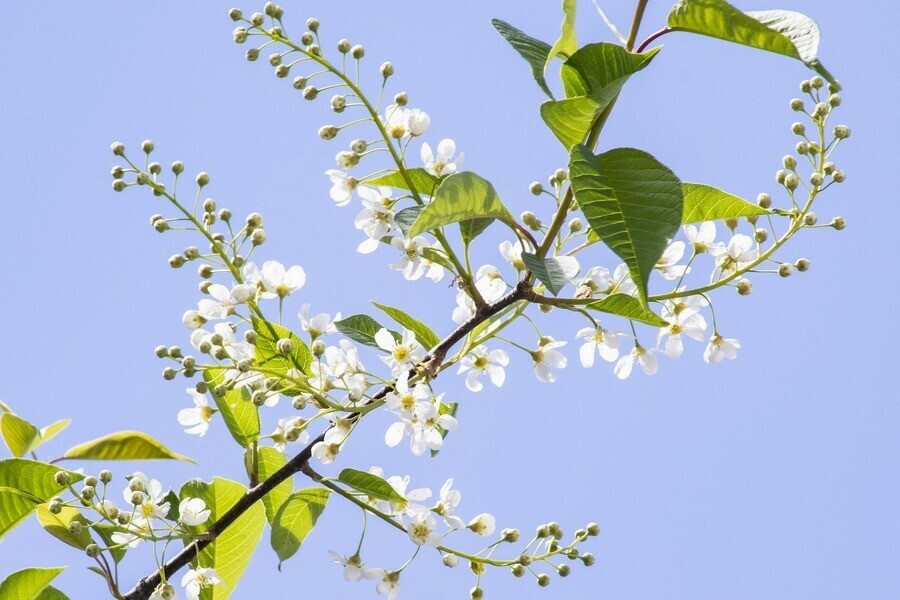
(517, 570)
(155, 168)
(285, 346)
(542, 532)
(593, 529)
(576, 225)
(802, 265)
(343, 46)
(252, 54)
(732, 223)
(240, 35)
(254, 220)
(543, 580)
(357, 51)
(205, 271)
(786, 269)
(536, 188)
(119, 185)
(359, 146)
(531, 220)
(817, 82)
(789, 162)
(791, 181)
(307, 38)
(805, 86)
(752, 219)
(327, 132)
(815, 179)
(587, 559)
(834, 99)
(476, 593)
(510, 535)
(105, 476)
(269, 9)
(87, 492)
(797, 104)
(387, 69)
(55, 507)
(62, 478)
(176, 261)
(814, 148)
(838, 176)
(250, 337)
(299, 402)
(761, 235)
(764, 200)
(75, 527)
(123, 518)
(450, 560)
(560, 175)
(235, 14)
(347, 160)
(744, 287)
(318, 348)
(168, 374)
(821, 109)
(802, 148)
(258, 236)
(118, 148)
(147, 146)
(202, 178)
(137, 498)
(564, 570)
(310, 92)
(798, 128)
(525, 559)
(841, 132)
(838, 223)
(401, 99)
(828, 168)
(282, 71)
(90, 481)
(312, 24)
(178, 167)
(780, 175)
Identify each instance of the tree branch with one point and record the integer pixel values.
(298, 463)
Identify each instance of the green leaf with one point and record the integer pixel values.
(371, 485)
(783, 32)
(240, 415)
(15, 506)
(230, 553)
(535, 52)
(57, 525)
(706, 203)
(567, 43)
(424, 334)
(295, 519)
(123, 445)
(20, 435)
(267, 354)
(451, 409)
(51, 593)
(105, 531)
(406, 217)
(461, 197)
(629, 307)
(592, 78)
(362, 328)
(553, 272)
(632, 201)
(28, 584)
(422, 181)
(51, 430)
(269, 460)
(35, 478)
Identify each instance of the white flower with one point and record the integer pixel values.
(164, 591)
(342, 186)
(196, 579)
(196, 419)
(279, 281)
(666, 264)
(684, 322)
(153, 505)
(719, 348)
(224, 300)
(595, 281)
(512, 253)
(703, 238)
(640, 355)
(417, 121)
(426, 434)
(443, 163)
(326, 452)
(389, 585)
(465, 308)
(546, 358)
(433, 270)
(489, 283)
(288, 431)
(483, 524)
(376, 218)
(422, 530)
(400, 122)
(137, 527)
(192, 319)
(479, 362)
(598, 341)
(353, 567)
(404, 400)
(446, 506)
(193, 512)
(739, 253)
(411, 264)
(621, 281)
(412, 503)
(321, 324)
(403, 354)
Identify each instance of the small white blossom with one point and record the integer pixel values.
(153, 506)
(411, 264)
(489, 283)
(288, 431)
(646, 359)
(400, 122)
(443, 163)
(621, 281)
(480, 361)
(512, 253)
(280, 282)
(483, 524)
(196, 419)
(703, 238)
(224, 300)
(598, 340)
(321, 324)
(354, 569)
(546, 358)
(326, 452)
(192, 319)
(389, 586)
(342, 186)
(684, 322)
(666, 265)
(446, 506)
(740, 252)
(197, 579)
(422, 530)
(720, 348)
(404, 354)
(193, 512)
(376, 219)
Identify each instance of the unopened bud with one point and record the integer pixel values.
(235, 14)
(517, 570)
(841, 132)
(359, 146)
(816, 179)
(401, 99)
(805, 86)
(105, 476)
(802, 265)
(536, 188)
(387, 69)
(178, 167)
(161, 351)
(744, 287)
(285, 346)
(576, 225)
(240, 35)
(834, 100)
(838, 223)
(543, 580)
(732, 223)
(838, 176)
(789, 162)
(258, 236)
(357, 52)
(786, 269)
(137, 498)
(269, 9)
(202, 179)
(318, 348)
(62, 478)
(510, 535)
(797, 104)
(791, 181)
(343, 46)
(587, 559)
(817, 82)
(761, 235)
(764, 200)
(798, 128)
(810, 219)
(450, 560)
(310, 92)
(327, 132)
(531, 220)
(593, 529)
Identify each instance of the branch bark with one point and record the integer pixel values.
(298, 463)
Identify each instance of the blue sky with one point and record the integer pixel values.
(773, 476)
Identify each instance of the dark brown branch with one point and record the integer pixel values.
(298, 463)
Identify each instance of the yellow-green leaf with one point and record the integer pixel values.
(123, 445)
(567, 43)
(28, 584)
(424, 334)
(33, 477)
(267, 355)
(57, 525)
(241, 416)
(370, 485)
(15, 506)
(781, 31)
(295, 519)
(706, 203)
(269, 460)
(423, 182)
(230, 553)
(20, 435)
(629, 307)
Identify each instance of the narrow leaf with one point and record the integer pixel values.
(535, 52)
(230, 553)
(780, 31)
(28, 584)
(123, 445)
(295, 519)
(424, 334)
(567, 43)
(240, 415)
(362, 328)
(629, 307)
(554, 272)
(371, 485)
(461, 197)
(632, 201)
(706, 203)
(422, 181)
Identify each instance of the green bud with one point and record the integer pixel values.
(543, 580)
(310, 92)
(240, 35)
(587, 559)
(518, 570)
(531, 220)
(525, 559)
(576, 225)
(798, 128)
(318, 348)
(62, 478)
(312, 24)
(789, 162)
(205, 271)
(176, 261)
(828, 168)
(563, 570)
(797, 105)
(744, 287)
(357, 51)
(802, 148)
(118, 148)
(838, 176)
(92, 550)
(202, 178)
(250, 337)
(90, 481)
(105, 476)
(147, 146)
(732, 223)
(802, 265)
(786, 269)
(401, 99)
(536, 188)
(269, 9)
(307, 38)
(838, 223)
(161, 351)
(805, 86)
(593, 529)
(168, 374)
(343, 46)
(178, 167)
(387, 69)
(817, 82)
(780, 175)
(75, 527)
(235, 14)
(761, 235)
(816, 179)
(510, 535)
(834, 100)
(328, 132)
(476, 593)
(258, 236)
(285, 346)
(791, 181)
(841, 132)
(764, 200)
(119, 185)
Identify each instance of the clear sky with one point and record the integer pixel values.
(773, 476)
